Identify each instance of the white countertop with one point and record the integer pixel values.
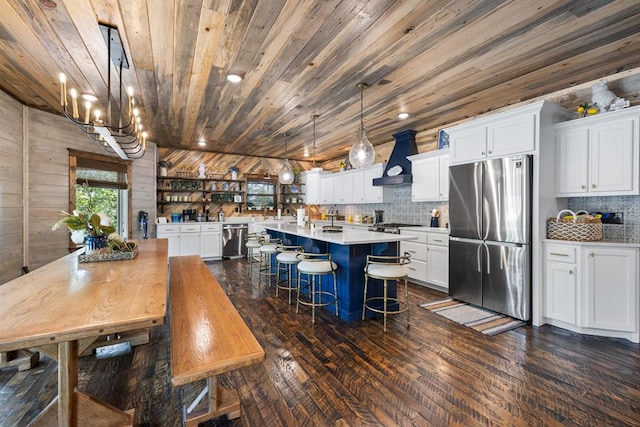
(442, 230)
(616, 243)
(345, 237)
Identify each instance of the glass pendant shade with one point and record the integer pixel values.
(362, 154)
(285, 176)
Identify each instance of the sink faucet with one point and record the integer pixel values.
(264, 212)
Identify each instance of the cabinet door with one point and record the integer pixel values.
(426, 180)
(572, 161)
(611, 288)
(326, 190)
(190, 244)
(358, 186)
(438, 265)
(373, 194)
(444, 178)
(468, 145)
(611, 157)
(211, 244)
(511, 136)
(174, 242)
(560, 291)
(311, 182)
(342, 188)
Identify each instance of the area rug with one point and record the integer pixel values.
(480, 319)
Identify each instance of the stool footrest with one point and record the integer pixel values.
(402, 304)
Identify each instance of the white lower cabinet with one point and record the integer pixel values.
(211, 241)
(592, 289)
(204, 239)
(171, 232)
(611, 294)
(438, 259)
(429, 257)
(189, 239)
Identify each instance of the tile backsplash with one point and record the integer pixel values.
(628, 205)
(401, 209)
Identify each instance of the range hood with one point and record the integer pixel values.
(405, 146)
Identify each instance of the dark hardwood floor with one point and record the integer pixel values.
(436, 373)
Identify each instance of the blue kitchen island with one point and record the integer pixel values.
(349, 249)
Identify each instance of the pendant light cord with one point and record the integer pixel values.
(362, 107)
(314, 117)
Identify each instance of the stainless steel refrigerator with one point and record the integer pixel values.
(490, 234)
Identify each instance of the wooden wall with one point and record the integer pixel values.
(143, 193)
(11, 182)
(46, 194)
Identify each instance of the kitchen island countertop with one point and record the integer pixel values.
(345, 237)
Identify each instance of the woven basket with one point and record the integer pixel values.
(570, 229)
(113, 256)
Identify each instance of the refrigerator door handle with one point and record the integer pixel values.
(503, 257)
(486, 248)
(478, 257)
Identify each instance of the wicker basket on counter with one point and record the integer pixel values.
(574, 229)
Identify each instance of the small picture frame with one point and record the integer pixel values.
(443, 139)
(237, 198)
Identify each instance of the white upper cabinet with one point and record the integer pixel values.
(497, 135)
(311, 181)
(374, 193)
(430, 176)
(343, 187)
(353, 186)
(599, 155)
(327, 196)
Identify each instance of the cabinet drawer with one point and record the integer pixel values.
(190, 229)
(417, 270)
(438, 239)
(560, 253)
(172, 229)
(421, 236)
(211, 227)
(418, 251)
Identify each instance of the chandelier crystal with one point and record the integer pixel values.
(362, 154)
(285, 176)
(119, 130)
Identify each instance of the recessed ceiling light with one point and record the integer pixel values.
(202, 143)
(234, 78)
(403, 115)
(306, 153)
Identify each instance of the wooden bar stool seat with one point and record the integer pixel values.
(386, 268)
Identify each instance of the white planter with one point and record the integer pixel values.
(163, 171)
(234, 175)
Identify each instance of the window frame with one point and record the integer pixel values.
(104, 162)
(261, 180)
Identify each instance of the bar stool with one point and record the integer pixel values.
(268, 250)
(287, 257)
(386, 268)
(253, 243)
(314, 266)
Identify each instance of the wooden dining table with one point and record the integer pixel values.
(62, 307)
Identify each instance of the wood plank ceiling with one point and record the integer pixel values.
(439, 60)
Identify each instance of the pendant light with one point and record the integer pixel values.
(314, 117)
(285, 176)
(362, 153)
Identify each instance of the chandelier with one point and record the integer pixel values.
(362, 154)
(118, 131)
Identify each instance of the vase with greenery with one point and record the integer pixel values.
(164, 165)
(234, 172)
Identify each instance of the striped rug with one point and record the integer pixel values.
(480, 319)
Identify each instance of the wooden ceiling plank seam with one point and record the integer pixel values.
(185, 34)
(161, 30)
(137, 33)
(218, 88)
(28, 78)
(241, 114)
(39, 42)
(210, 27)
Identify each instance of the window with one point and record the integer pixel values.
(101, 184)
(261, 193)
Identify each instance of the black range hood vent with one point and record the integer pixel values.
(405, 146)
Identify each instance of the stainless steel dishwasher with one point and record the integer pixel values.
(233, 238)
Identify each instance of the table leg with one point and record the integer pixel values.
(67, 382)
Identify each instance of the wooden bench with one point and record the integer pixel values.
(208, 338)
